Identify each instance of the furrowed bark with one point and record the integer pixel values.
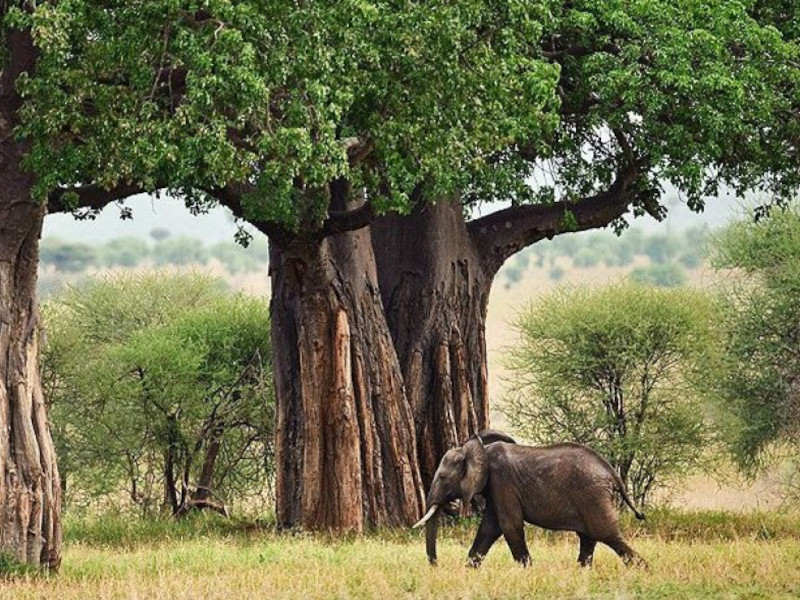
(206, 479)
(345, 445)
(30, 487)
(435, 294)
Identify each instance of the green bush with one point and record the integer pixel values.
(152, 378)
(761, 307)
(623, 369)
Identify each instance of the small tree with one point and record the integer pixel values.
(620, 369)
(161, 386)
(761, 380)
(68, 257)
(127, 251)
(660, 275)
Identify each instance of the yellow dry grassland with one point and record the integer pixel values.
(267, 565)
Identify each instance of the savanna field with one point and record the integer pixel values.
(690, 555)
(438, 251)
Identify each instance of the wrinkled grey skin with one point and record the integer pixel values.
(565, 487)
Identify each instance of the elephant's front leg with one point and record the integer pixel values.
(513, 527)
(488, 532)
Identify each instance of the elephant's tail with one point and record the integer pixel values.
(624, 493)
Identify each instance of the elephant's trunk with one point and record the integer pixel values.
(431, 529)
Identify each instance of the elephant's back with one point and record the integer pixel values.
(581, 460)
(554, 464)
(557, 482)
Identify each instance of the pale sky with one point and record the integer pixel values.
(218, 225)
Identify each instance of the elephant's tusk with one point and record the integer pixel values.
(427, 516)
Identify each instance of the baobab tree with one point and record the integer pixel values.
(698, 94)
(288, 115)
(316, 121)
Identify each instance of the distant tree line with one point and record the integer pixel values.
(70, 258)
(669, 255)
(132, 251)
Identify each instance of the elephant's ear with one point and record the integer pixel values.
(476, 469)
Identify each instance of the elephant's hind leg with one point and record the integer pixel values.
(586, 552)
(488, 532)
(625, 552)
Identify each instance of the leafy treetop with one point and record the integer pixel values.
(286, 111)
(283, 100)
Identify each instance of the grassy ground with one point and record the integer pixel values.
(708, 555)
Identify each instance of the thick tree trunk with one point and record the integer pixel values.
(435, 293)
(30, 488)
(346, 451)
(435, 272)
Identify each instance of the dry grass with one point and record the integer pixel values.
(265, 564)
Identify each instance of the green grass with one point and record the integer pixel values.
(11, 568)
(691, 555)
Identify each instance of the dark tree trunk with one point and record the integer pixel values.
(203, 490)
(203, 496)
(171, 502)
(30, 488)
(435, 293)
(345, 448)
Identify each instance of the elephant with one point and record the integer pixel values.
(566, 487)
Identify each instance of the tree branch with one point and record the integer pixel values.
(358, 149)
(501, 234)
(90, 196)
(348, 220)
(336, 222)
(231, 196)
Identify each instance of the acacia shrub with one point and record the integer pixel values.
(160, 393)
(761, 314)
(622, 369)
